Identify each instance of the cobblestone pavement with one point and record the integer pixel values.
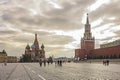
(69, 71)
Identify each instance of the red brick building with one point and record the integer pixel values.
(88, 50)
(108, 52)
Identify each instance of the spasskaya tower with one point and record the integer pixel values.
(87, 42)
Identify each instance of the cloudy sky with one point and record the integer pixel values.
(58, 23)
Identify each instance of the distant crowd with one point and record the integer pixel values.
(106, 62)
(44, 62)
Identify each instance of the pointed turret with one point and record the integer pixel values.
(87, 22)
(42, 51)
(87, 34)
(36, 42)
(27, 47)
(4, 52)
(35, 38)
(42, 46)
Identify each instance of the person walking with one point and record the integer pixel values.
(55, 63)
(60, 63)
(104, 62)
(40, 62)
(107, 61)
(5, 63)
(48, 62)
(44, 62)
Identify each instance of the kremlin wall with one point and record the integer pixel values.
(106, 51)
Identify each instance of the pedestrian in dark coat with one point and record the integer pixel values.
(60, 63)
(48, 62)
(44, 62)
(40, 62)
(107, 62)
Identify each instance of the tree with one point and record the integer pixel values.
(101, 57)
(21, 59)
(114, 56)
(94, 57)
(50, 59)
(111, 56)
(26, 58)
(88, 57)
(107, 56)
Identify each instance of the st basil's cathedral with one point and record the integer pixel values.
(34, 51)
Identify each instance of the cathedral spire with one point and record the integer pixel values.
(35, 36)
(36, 42)
(42, 46)
(87, 22)
(27, 47)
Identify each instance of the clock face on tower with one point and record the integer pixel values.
(87, 30)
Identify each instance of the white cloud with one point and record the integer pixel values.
(96, 23)
(112, 18)
(98, 4)
(54, 4)
(58, 23)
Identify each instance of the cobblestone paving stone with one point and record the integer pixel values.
(69, 71)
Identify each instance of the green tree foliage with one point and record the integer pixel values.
(107, 56)
(50, 59)
(101, 57)
(114, 56)
(111, 56)
(26, 58)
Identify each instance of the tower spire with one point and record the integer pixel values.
(42, 46)
(35, 36)
(87, 22)
(36, 42)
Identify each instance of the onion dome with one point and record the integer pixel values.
(33, 46)
(42, 46)
(27, 47)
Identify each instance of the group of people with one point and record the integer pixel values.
(58, 63)
(106, 62)
(44, 62)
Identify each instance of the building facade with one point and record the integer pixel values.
(34, 51)
(107, 52)
(5, 58)
(11, 59)
(87, 42)
(88, 51)
(111, 44)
